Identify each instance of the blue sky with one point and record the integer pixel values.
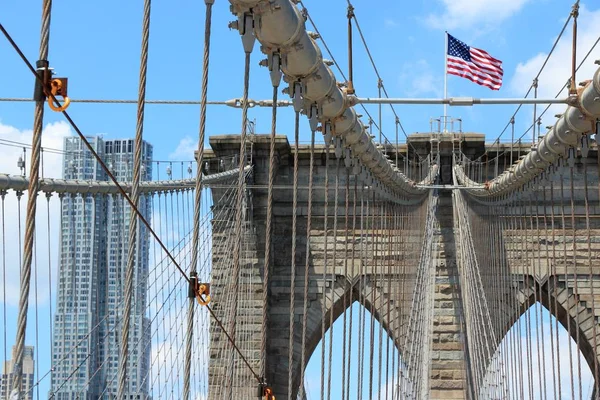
(97, 44)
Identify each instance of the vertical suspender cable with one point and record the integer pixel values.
(352, 274)
(293, 267)
(198, 196)
(347, 291)
(373, 284)
(535, 94)
(275, 80)
(350, 89)
(590, 265)
(31, 210)
(333, 274)
(325, 266)
(512, 138)
(135, 197)
(556, 286)
(575, 273)
(574, 14)
(307, 264)
(565, 263)
(50, 315)
(248, 42)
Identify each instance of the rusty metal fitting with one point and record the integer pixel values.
(58, 87)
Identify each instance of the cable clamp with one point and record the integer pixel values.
(198, 290)
(58, 87)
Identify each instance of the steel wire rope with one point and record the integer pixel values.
(589, 259)
(345, 298)
(17, 382)
(293, 258)
(198, 192)
(364, 212)
(123, 192)
(269, 232)
(325, 266)
(178, 219)
(391, 221)
(575, 273)
(333, 276)
(123, 101)
(373, 285)
(35, 291)
(186, 252)
(552, 273)
(239, 223)
(352, 283)
(382, 229)
(309, 217)
(109, 383)
(556, 96)
(380, 80)
(528, 206)
(537, 76)
(135, 197)
(87, 336)
(308, 16)
(538, 296)
(104, 318)
(561, 173)
(107, 359)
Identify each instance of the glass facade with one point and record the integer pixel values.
(93, 258)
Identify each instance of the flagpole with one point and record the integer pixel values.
(445, 76)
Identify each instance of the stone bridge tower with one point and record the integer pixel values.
(339, 276)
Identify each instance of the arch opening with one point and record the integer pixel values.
(539, 358)
(364, 359)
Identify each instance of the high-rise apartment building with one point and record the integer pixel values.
(28, 372)
(91, 279)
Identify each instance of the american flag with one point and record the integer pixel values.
(474, 64)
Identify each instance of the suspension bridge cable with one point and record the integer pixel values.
(308, 16)
(135, 198)
(307, 262)
(198, 193)
(293, 260)
(269, 221)
(238, 222)
(534, 82)
(17, 383)
(380, 80)
(532, 126)
(123, 193)
(122, 101)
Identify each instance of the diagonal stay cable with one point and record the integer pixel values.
(124, 194)
(369, 54)
(93, 151)
(337, 65)
(561, 89)
(562, 31)
(556, 96)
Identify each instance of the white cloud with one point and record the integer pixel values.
(418, 79)
(52, 137)
(558, 70)
(185, 149)
(474, 13)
